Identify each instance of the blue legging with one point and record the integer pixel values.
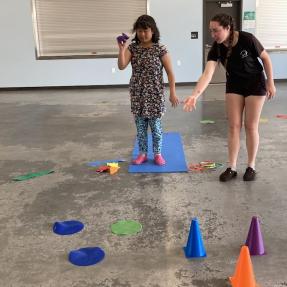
(156, 131)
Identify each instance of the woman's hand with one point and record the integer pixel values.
(270, 89)
(189, 104)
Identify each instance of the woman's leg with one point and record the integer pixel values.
(142, 127)
(253, 108)
(156, 130)
(234, 107)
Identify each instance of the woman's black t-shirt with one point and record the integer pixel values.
(243, 61)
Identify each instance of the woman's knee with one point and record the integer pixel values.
(234, 127)
(251, 127)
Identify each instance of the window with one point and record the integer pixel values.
(82, 29)
(271, 23)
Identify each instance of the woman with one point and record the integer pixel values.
(246, 88)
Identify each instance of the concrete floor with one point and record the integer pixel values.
(66, 128)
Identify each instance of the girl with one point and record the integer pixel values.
(246, 89)
(148, 58)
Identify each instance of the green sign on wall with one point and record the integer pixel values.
(249, 15)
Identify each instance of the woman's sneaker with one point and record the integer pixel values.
(159, 160)
(228, 175)
(140, 159)
(249, 174)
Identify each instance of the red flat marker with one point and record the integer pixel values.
(282, 117)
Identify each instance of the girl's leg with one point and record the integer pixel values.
(156, 130)
(234, 106)
(142, 127)
(253, 108)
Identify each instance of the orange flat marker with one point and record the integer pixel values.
(114, 169)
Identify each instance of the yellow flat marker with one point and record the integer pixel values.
(263, 120)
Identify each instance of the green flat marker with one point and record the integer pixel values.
(126, 227)
(217, 164)
(207, 122)
(31, 175)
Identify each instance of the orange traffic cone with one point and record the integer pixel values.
(244, 276)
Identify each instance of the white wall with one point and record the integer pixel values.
(19, 68)
(278, 58)
(176, 19)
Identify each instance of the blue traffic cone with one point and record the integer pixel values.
(194, 247)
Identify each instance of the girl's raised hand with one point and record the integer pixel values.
(122, 45)
(122, 41)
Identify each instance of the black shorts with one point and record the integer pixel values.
(254, 85)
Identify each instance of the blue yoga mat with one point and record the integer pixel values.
(172, 152)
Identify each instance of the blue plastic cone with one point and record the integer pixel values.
(194, 247)
(254, 239)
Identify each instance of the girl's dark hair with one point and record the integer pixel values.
(225, 20)
(145, 22)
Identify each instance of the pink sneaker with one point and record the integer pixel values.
(159, 160)
(140, 159)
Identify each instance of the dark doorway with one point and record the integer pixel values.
(211, 8)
